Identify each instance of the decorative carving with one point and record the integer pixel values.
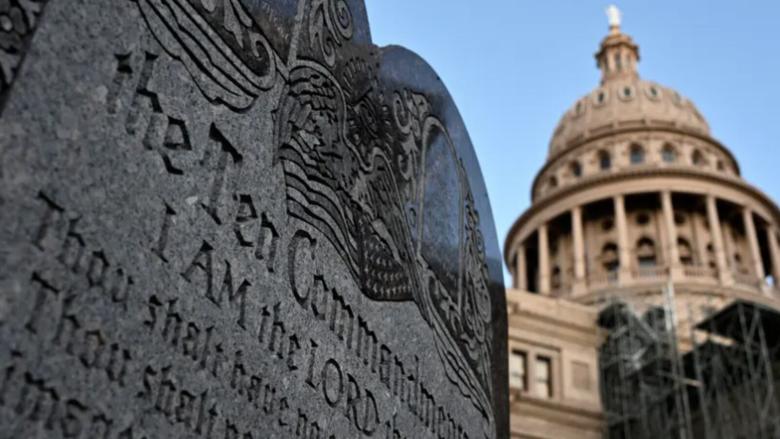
(354, 164)
(18, 21)
(354, 170)
(220, 45)
(330, 25)
(362, 164)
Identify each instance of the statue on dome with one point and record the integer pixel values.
(613, 15)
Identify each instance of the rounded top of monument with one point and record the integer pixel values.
(623, 100)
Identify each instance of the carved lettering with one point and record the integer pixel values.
(162, 240)
(50, 220)
(225, 153)
(233, 295)
(124, 70)
(143, 94)
(267, 243)
(73, 248)
(42, 291)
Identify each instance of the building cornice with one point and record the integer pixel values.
(637, 172)
(570, 413)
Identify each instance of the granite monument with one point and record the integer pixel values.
(238, 219)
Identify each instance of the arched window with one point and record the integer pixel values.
(645, 252)
(607, 224)
(609, 257)
(552, 183)
(605, 160)
(685, 251)
(637, 154)
(711, 256)
(555, 278)
(668, 154)
(698, 158)
(575, 168)
(740, 263)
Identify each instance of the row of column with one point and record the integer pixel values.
(670, 246)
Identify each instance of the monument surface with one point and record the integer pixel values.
(238, 219)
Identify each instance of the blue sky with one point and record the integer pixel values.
(514, 66)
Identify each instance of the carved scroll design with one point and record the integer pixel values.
(18, 21)
(330, 25)
(220, 45)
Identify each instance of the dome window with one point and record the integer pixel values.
(668, 154)
(645, 252)
(552, 183)
(605, 160)
(698, 158)
(686, 253)
(653, 92)
(721, 165)
(626, 93)
(637, 154)
(609, 257)
(600, 97)
(555, 278)
(575, 168)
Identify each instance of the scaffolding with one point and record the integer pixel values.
(722, 387)
(735, 364)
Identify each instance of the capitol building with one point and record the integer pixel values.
(638, 203)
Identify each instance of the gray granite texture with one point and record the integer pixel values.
(238, 219)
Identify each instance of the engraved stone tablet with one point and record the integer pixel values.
(238, 219)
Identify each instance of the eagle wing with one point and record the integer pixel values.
(223, 50)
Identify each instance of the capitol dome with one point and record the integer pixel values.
(635, 195)
(624, 101)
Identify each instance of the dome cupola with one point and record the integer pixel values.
(618, 55)
(623, 101)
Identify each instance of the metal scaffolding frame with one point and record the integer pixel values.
(722, 387)
(644, 388)
(735, 364)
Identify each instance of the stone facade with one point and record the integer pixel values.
(636, 194)
(554, 382)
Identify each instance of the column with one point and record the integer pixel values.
(624, 251)
(521, 275)
(755, 253)
(724, 273)
(672, 252)
(728, 247)
(579, 251)
(544, 260)
(774, 253)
